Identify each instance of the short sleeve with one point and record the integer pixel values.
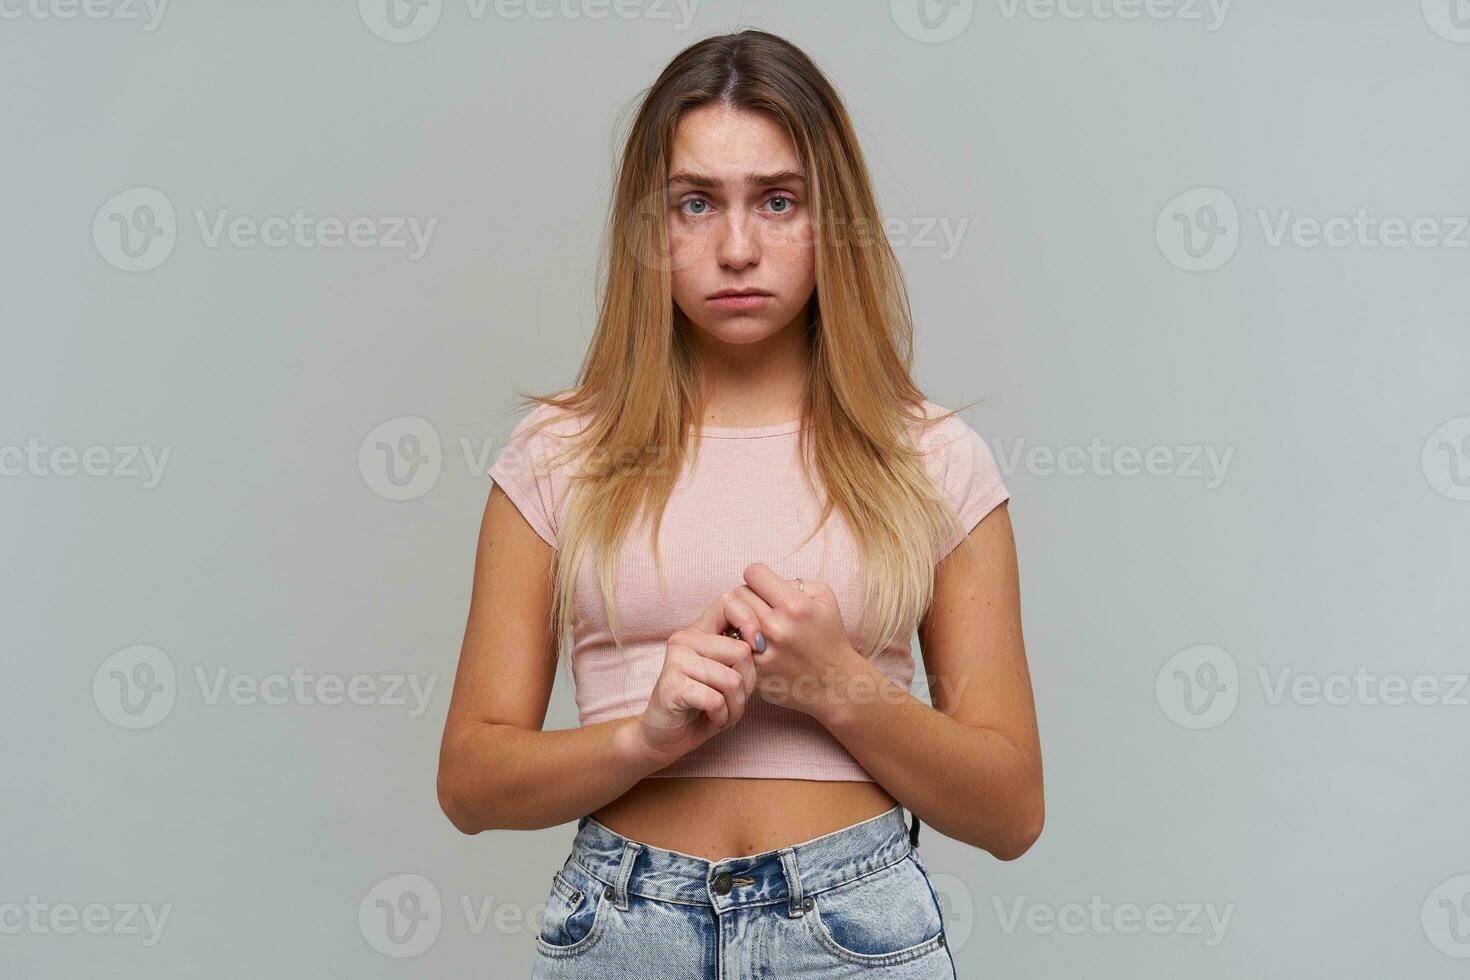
(965, 469)
(530, 473)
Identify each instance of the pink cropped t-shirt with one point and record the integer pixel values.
(740, 500)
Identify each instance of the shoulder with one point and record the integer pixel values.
(961, 463)
(535, 463)
(943, 433)
(546, 423)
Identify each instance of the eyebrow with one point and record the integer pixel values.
(752, 180)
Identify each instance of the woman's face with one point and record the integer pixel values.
(738, 219)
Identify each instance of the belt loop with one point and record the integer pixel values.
(914, 830)
(625, 872)
(793, 881)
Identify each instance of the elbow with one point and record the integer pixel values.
(1025, 830)
(451, 796)
(456, 814)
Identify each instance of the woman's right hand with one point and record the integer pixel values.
(702, 689)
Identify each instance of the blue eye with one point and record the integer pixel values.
(696, 200)
(790, 203)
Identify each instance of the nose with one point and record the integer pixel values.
(738, 245)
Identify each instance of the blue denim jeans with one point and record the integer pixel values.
(855, 900)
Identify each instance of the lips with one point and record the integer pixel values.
(739, 301)
(729, 293)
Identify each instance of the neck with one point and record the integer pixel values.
(754, 384)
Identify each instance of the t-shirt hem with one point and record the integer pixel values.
(975, 512)
(526, 502)
(823, 774)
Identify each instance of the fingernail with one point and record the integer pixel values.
(760, 642)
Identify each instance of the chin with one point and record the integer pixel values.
(738, 329)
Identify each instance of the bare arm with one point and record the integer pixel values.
(972, 768)
(497, 769)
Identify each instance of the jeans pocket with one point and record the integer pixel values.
(880, 919)
(575, 913)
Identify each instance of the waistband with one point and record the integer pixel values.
(787, 874)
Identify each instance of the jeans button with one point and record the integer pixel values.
(724, 881)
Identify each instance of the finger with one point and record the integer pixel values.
(774, 589)
(715, 673)
(702, 697)
(728, 678)
(734, 654)
(754, 602)
(743, 618)
(725, 649)
(714, 618)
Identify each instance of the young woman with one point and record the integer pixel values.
(739, 517)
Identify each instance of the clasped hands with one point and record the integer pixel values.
(791, 642)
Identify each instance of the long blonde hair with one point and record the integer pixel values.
(639, 390)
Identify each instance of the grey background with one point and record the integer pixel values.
(1333, 835)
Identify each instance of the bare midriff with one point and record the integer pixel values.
(715, 818)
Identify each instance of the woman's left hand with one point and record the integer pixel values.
(808, 661)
